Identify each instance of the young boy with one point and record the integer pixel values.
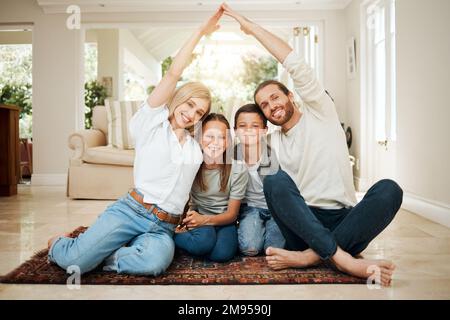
(257, 228)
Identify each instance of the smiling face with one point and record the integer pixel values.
(275, 104)
(250, 128)
(190, 112)
(214, 141)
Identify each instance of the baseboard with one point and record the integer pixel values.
(49, 179)
(429, 209)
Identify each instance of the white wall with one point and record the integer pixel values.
(423, 76)
(149, 67)
(16, 37)
(57, 91)
(353, 86)
(112, 45)
(110, 59)
(423, 79)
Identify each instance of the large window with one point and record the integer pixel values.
(90, 61)
(15, 81)
(381, 60)
(232, 68)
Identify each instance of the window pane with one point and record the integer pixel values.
(380, 91)
(380, 26)
(393, 85)
(90, 61)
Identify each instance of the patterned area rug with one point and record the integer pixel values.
(184, 270)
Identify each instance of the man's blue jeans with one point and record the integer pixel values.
(217, 243)
(352, 229)
(257, 231)
(133, 240)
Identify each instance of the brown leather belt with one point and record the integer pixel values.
(161, 214)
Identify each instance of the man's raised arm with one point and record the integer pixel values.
(275, 45)
(305, 81)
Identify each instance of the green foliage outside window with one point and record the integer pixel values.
(94, 95)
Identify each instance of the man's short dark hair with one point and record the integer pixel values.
(250, 108)
(266, 83)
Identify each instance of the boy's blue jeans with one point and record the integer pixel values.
(128, 236)
(217, 243)
(352, 229)
(257, 231)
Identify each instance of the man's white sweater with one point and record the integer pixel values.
(314, 152)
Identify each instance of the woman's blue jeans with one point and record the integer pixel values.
(127, 235)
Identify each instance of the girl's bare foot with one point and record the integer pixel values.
(279, 259)
(52, 239)
(381, 270)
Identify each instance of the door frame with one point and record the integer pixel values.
(367, 107)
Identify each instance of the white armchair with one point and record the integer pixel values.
(96, 170)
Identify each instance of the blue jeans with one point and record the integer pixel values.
(352, 229)
(217, 243)
(150, 243)
(257, 231)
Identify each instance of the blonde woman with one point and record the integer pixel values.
(134, 235)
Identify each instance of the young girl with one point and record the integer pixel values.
(257, 228)
(135, 234)
(216, 196)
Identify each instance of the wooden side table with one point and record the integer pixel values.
(9, 150)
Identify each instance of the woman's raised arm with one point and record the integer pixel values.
(164, 90)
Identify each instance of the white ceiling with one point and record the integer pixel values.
(162, 39)
(60, 6)
(162, 42)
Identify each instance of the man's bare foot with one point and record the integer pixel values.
(52, 239)
(279, 259)
(363, 268)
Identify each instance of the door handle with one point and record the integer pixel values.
(383, 144)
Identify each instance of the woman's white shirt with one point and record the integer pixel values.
(164, 170)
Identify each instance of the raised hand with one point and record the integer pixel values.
(246, 25)
(165, 88)
(275, 45)
(211, 24)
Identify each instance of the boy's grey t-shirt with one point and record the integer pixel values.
(214, 201)
(255, 193)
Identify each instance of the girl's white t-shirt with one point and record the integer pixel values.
(164, 170)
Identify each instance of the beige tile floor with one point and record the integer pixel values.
(420, 248)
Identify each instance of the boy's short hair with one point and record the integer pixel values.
(250, 108)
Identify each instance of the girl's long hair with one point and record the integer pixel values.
(225, 167)
(184, 93)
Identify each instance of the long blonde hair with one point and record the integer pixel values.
(187, 91)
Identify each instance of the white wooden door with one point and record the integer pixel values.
(383, 80)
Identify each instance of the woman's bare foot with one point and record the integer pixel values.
(279, 259)
(52, 239)
(381, 270)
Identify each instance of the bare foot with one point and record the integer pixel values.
(52, 239)
(380, 270)
(279, 259)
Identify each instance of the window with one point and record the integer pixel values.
(382, 65)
